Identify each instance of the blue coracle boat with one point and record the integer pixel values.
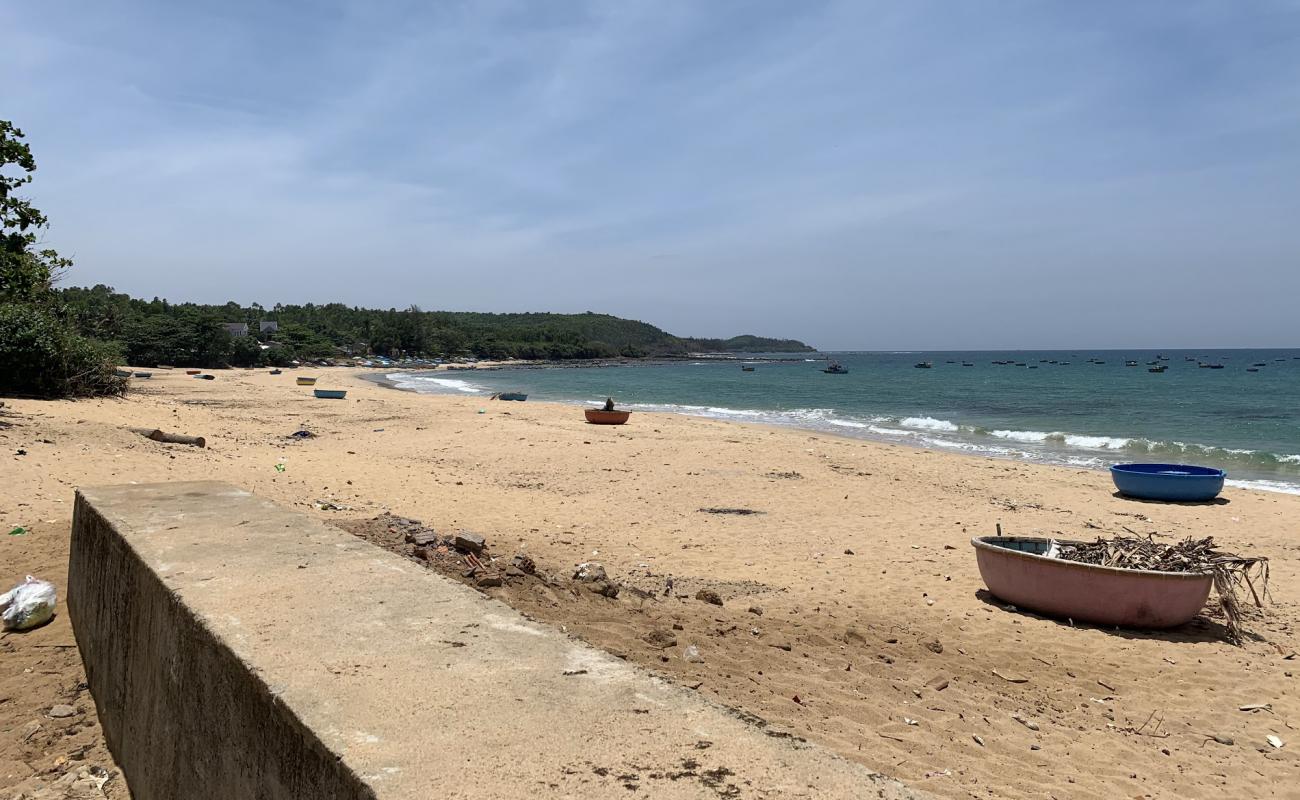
(330, 394)
(1176, 482)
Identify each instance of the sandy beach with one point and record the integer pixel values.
(853, 614)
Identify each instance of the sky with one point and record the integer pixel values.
(856, 174)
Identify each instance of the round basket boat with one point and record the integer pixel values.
(1016, 571)
(1177, 482)
(599, 416)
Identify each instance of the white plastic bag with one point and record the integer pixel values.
(28, 604)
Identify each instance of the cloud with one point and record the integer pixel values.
(895, 171)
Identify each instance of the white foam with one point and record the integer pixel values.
(930, 424)
(1266, 486)
(1096, 442)
(1021, 436)
(407, 381)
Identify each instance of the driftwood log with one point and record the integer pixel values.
(171, 438)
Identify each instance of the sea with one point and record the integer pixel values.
(1079, 408)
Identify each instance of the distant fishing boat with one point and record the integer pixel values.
(923, 365)
(746, 369)
(835, 368)
(1216, 366)
(330, 394)
(1251, 369)
(967, 364)
(1260, 364)
(1157, 369)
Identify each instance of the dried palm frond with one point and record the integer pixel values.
(1231, 573)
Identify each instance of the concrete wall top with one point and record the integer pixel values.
(414, 685)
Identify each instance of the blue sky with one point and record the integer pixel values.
(858, 174)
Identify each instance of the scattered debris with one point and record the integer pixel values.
(1011, 678)
(692, 654)
(709, 596)
(1231, 572)
(590, 572)
(743, 512)
(660, 638)
(469, 542)
(938, 684)
(18, 531)
(62, 712)
(1256, 707)
(1275, 741)
(1030, 724)
(758, 610)
(789, 476)
(301, 435)
(978, 740)
(934, 646)
(171, 438)
(330, 505)
(28, 605)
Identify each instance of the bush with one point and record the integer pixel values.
(41, 356)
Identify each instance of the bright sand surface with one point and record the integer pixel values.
(851, 647)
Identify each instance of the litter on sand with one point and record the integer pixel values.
(27, 605)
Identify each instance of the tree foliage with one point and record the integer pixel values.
(41, 352)
(188, 334)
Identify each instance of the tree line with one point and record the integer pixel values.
(151, 332)
(67, 342)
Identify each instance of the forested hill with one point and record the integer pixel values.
(749, 344)
(157, 331)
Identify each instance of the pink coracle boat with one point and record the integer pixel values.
(1017, 572)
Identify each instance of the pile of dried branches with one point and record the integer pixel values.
(1232, 573)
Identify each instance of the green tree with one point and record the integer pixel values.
(41, 354)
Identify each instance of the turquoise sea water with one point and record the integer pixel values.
(1077, 413)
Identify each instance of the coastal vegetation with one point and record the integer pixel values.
(157, 331)
(42, 354)
(66, 342)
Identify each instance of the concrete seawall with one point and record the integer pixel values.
(238, 650)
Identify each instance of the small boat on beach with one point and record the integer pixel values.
(835, 368)
(599, 416)
(1179, 483)
(510, 396)
(206, 377)
(144, 374)
(193, 371)
(330, 394)
(275, 372)
(122, 373)
(303, 380)
(1018, 570)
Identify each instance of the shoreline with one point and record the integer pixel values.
(852, 586)
(914, 439)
